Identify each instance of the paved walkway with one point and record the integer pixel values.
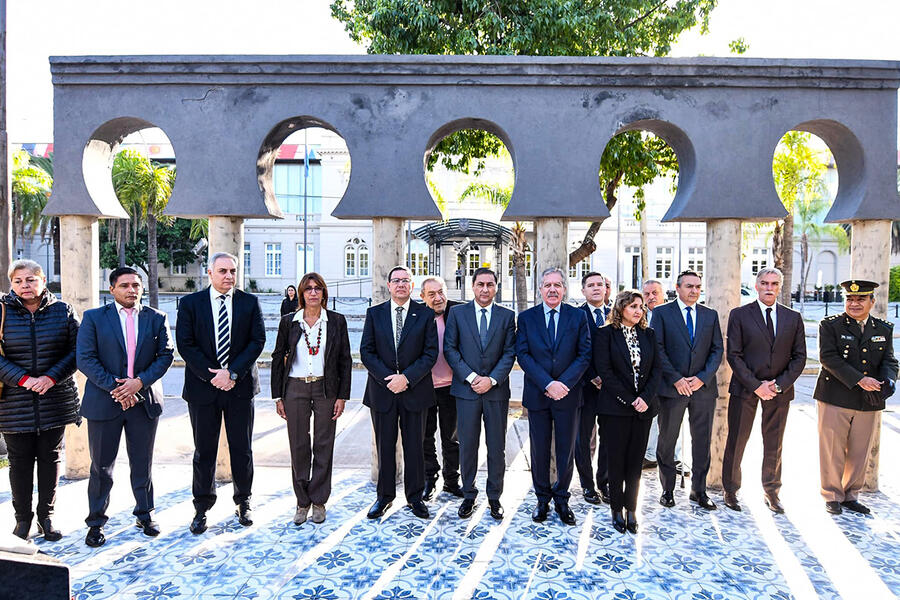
(680, 553)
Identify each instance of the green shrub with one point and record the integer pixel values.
(894, 288)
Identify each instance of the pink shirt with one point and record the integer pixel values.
(441, 373)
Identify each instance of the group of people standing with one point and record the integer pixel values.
(608, 367)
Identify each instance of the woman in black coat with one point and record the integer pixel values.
(311, 370)
(289, 304)
(39, 395)
(627, 361)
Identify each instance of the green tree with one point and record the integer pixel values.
(143, 187)
(30, 190)
(532, 27)
(808, 214)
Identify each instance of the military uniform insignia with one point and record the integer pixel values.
(847, 337)
(854, 287)
(878, 338)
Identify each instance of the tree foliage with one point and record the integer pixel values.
(30, 186)
(175, 246)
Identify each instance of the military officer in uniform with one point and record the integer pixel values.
(857, 375)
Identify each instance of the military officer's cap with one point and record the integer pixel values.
(858, 287)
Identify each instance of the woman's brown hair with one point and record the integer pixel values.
(623, 299)
(315, 278)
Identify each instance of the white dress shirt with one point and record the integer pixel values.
(774, 308)
(682, 306)
(215, 302)
(120, 310)
(306, 364)
(394, 306)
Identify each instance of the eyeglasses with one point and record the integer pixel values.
(315, 289)
(399, 281)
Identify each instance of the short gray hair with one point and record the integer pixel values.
(435, 278)
(25, 263)
(769, 271)
(651, 282)
(551, 270)
(218, 255)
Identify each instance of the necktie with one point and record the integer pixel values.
(600, 319)
(861, 327)
(769, 324)
(482, 328)
(223, 335)
(130, 340)
(399, 322)
(551, 326)
(690, 324)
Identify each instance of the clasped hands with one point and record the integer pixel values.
(126, 392)
(397, 382)
(686, 386)
(481, 384)
(557, 390)
(766, 390)
(870, 384)
(222, 379)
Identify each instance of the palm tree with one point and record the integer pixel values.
(30, 190)
(808, 214)
(144, 187)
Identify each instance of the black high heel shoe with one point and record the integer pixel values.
(618, 521)
(45, 527)
(631, 523)
(22, 528)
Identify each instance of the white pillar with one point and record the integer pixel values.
(80, 277)
(870, 252)
(723, 293)
(226, 234)
(551, 248)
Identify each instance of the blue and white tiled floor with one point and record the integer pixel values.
(683, 553)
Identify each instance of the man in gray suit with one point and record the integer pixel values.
(480, 347)
(691, 349)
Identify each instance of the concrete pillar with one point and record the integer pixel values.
(870, 252)
(723, 293)
(551, 247)
(80, 276)
(226, 234)
(387, 252)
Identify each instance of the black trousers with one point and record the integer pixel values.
(387, 426)
(586, 421)
(741, 412)
(542, 424)
(443, 413)
(311, 459)
(26, 449)
(103, 443)
(469, 416)
(206, 421)
(700, 419)
(626, 442)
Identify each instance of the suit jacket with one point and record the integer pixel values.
(336, 357)
(414, 357)
(464, 354)
(589, 392)
(681, 358)
(566, 361)
(194, 337)
(848, 355)
(755, 357)
(102, 357)
(613, 363)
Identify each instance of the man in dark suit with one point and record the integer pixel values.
(691, 349)
(479, 344)
(123, 349)
(220, 333)
(593, 286)
(553, 345)
(857, 376)
(434, 293)
(399, 347)
(766, 350)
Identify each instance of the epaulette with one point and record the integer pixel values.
(831, 317)
(884, 322)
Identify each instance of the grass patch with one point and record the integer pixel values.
(4, 462)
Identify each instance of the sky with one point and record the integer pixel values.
(861, 29)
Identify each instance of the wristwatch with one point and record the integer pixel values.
(777, 388)
(232, 375)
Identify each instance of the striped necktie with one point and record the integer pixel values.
(223, 335)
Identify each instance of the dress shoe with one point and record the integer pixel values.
(300, 515)
(592, 497)
(703, 500)
(428, 494)
(149, 527)
(22, 528)
(379, 508)
(318, 513)
(631, 523)
(773, 504)
(853, 505)
(618, 521)
(45, 527)
(730, 500)
(565, 513)
(604, 492)
(419, 509)
(496, 509)
(198, 525)
(679, 466)
(244, 514)
(834, 507)
(667, 499)
(466, 508)
(95, 537)
(649, 464)
(453, 489)
(540, 512)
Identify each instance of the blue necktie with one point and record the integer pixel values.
(483, 329)
(551, 327)
(690, 324)
(599, 314)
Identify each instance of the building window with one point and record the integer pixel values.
(273, 259)
(179, 269)
(349, 261)
(418, 258)
(578, 270)
(474, 260)
(664, 262)
(305, 259)
(696, 260)
(758, 260)
(363, 261)
(246, 258)
(291, 180)
(528, 259)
